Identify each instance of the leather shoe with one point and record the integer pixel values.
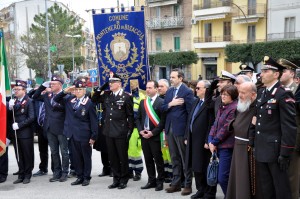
(39, 173)
(16, 173)
(186, 191)
(149, 186)
(197, 195)
(77, 182)
(159, 187)
(85, 182)
(114, 185)
(54, 179)
(26, 181)
(137, 177)
(104, 174)
(63, 177)
(130, 175)
(168, 180)
(122, 186)
(18, 181)
(173, 189)
(2, 179)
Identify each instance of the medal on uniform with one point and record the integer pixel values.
(22, 110)
(269, 111)
(83, 112)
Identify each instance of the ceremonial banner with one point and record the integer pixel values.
(121, 47)
(4, 89)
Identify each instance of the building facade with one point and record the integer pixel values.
(283, 20)
(168, 30)
(219, 23)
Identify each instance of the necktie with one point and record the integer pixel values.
(195, 113)
(266, 92)
(174, 92)
(52, 101)
(17, 104)
(76, 105)
(146, 124)
(41, 116)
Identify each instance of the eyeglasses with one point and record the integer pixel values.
(17, 89)
(225, 94)
(198, 88)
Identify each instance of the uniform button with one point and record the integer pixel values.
(110, 119)
(112, 103)
(111, 109)
(261, 107)
(257, 132)
(258, 123)
(259, 115)
(111, 114)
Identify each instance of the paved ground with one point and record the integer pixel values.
(41, 188)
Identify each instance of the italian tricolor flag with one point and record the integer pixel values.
(4, 89)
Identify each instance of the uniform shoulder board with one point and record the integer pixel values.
(287, 89)
(127, 93)
(290, 100)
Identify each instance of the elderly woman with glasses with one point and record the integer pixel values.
(220, 139)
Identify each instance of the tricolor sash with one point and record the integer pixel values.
(150, 112)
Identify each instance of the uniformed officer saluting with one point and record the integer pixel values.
(118, 126)
(82, 129)
(275, 132)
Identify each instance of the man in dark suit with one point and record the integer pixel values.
(177, 105)
(150, 130)
(82, 129)
(200, 120)
(275, 132)
(23, 109)
(54, 127)
(118, 126)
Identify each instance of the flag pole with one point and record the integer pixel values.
(13, 111)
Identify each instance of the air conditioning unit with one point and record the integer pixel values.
(193, 21)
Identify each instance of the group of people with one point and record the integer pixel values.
(252, 129)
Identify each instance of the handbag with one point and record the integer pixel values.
(212, 170)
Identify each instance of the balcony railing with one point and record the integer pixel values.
(157, 1)
(165, 22)
(212, 4)
(258, 10)
(283, 36)
(213, 39)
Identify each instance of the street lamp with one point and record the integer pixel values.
(72, 36)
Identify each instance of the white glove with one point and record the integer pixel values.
(15, 126)
(7, 142)
(46, 84)
(11, 104)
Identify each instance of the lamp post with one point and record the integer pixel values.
(72, 36)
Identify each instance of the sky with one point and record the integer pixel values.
(80, 6)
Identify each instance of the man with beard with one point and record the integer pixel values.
(239, 179)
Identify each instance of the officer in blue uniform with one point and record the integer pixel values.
(82, 129)
(24, 117)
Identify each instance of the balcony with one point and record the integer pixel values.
(212, 42)
(283, 36)
(165, 23)
(249, 14)
(8, 16)
(158, 3)
(212, 10)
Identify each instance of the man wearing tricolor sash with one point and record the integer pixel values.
(150, 123)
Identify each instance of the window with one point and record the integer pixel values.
(251, 34)
(177, 43)
(289, 27)
(157, 12)
(251, 7)
(158, 43)
(206, 3)
(176, 10)
(207, 32)
(227, 31)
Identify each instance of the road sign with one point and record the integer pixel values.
(67, 81)
(93, 79)
(29, 82)
(93, 73)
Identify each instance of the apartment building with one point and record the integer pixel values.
(169, 26)
(219, 23)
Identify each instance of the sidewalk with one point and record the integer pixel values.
(41, 188)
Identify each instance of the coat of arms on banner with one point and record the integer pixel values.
(120, 47)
